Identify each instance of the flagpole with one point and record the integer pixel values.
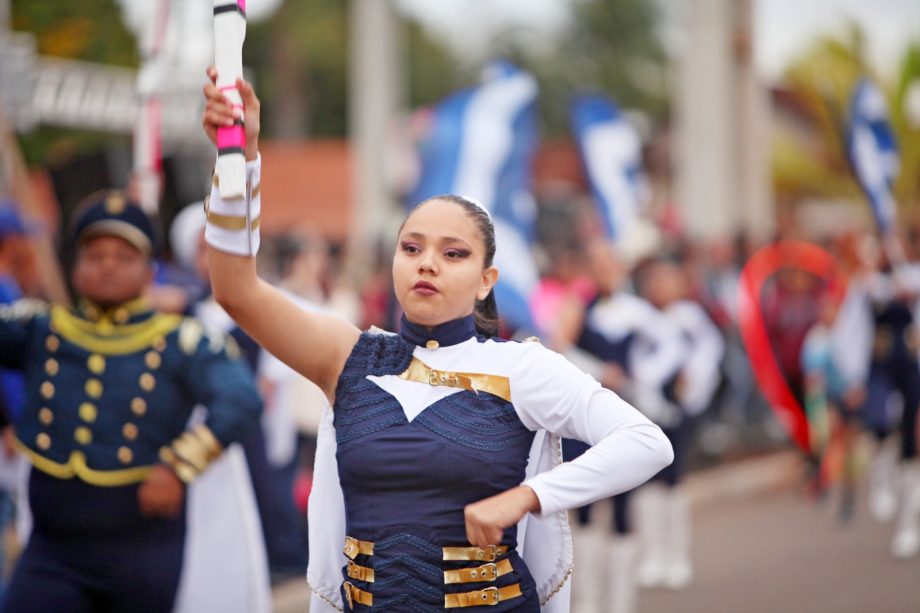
(147, 135)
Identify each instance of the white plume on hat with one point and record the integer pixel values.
(185, 232)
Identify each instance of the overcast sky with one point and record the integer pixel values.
(782, 28)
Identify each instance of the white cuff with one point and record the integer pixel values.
(233, 223)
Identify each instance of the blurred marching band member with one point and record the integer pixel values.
(664, 518)
(634, 350)
(895, 368)
(111, 386)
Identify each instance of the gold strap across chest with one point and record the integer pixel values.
(420, 372)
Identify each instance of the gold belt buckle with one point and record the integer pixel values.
(353, 571)
(487, 554)
(489, 571)
(490, 596)
(351, 547)
(347, 590)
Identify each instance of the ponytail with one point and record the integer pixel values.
(485, 316)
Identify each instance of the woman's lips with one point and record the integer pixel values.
(424, 288)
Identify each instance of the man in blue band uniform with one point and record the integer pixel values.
(110, 389)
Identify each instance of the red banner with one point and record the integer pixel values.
(758, 270)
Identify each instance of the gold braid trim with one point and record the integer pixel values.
(76, 467)
(420, 372)
(191, 453)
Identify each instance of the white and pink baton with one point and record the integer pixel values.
(229, 33)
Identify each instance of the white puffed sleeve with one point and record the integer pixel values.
(548, 392)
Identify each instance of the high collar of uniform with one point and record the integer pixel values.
(130, 312)
(444, 335)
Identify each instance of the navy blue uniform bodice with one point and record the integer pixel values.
(406, 483)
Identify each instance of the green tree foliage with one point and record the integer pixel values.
(809, 154)
(300, 60)
(433, 70)
(612, 47)
(907, 126)
(88, 30)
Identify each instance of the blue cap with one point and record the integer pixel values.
(110, 213)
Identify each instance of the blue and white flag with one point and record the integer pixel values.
(873, 151)
(479, 143)
(611, 152)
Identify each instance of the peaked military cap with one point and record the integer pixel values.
(110, 213)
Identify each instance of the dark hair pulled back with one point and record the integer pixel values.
(485, 313)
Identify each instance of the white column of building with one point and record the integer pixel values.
(375, 85)
(721, 144)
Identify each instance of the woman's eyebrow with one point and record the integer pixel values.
(441, 239)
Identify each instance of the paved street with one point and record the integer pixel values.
(775, 551)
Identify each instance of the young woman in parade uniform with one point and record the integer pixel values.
(438, 483)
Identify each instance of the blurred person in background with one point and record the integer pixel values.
(739, 407)
(634, 350)
(833, 399)
(110, 389)
(894, 373)
(308, 272)
(663, 514)
(281, 530)
(789, 306)
(563, 280)
(14, 259)
(294, 405)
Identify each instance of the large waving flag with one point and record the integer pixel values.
(873, 151)
(611, 152)
(479, 143)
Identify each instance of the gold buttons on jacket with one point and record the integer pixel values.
(159, 343)
(138, 406)
(45, 416)
(88, 412)
(52, 343)
(432, 344)
(153, 360)
(121, 315)
(83, 435)
(95, 363)
(93, 388)
(52, 367)
(129, 431)
(43, 441)
(125, 455)
(147, 382)
(47, 390)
